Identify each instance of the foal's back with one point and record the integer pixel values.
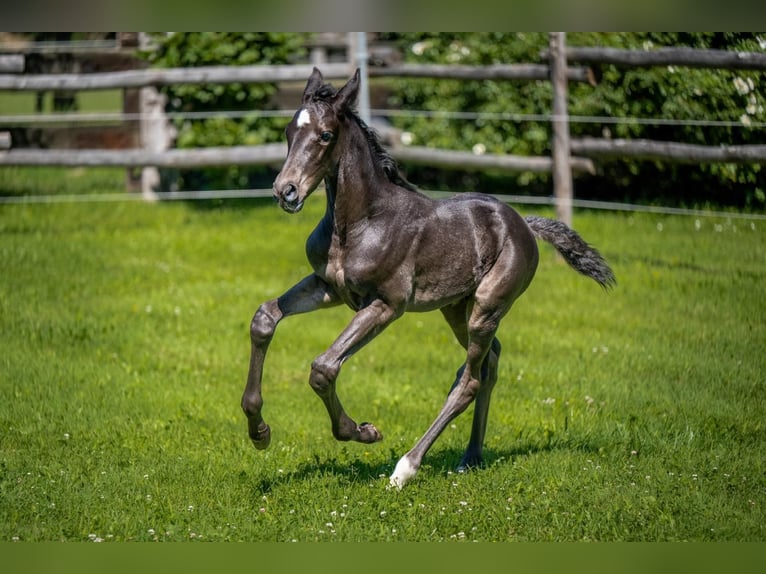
(460, 242)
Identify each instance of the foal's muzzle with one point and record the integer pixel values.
(288, 197)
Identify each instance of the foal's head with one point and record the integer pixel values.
(311, 138)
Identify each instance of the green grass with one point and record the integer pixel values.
(634, 415)
(23, 103)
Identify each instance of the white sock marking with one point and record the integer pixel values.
(403, 472)
(303, 119)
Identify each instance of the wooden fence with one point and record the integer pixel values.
(156, 135)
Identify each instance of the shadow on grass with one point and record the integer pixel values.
(440, 461)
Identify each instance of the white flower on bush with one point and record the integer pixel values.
(419, 48)
(743, 86)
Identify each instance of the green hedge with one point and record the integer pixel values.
(678, 94)
(191, 49)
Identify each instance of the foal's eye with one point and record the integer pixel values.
(326, 136)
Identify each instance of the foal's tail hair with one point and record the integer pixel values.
(580, 256)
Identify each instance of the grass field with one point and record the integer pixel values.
(634, 415)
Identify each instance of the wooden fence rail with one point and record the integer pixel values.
(152, 155)
(686, 57)
(274, 154)
(668, 151)
(490, 72)
(168, 76)
(172, 158)
(257, 74)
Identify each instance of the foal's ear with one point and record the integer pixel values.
(346, 96)
(314, 82)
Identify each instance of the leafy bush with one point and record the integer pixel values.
(232, 49)
(668, 93)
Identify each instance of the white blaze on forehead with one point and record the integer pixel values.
(303, 118)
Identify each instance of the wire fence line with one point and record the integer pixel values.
(171, 77)
(71, 118)
(207, 195)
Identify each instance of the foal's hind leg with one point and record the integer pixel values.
(481, 328)
(457, 319)
(473, 456)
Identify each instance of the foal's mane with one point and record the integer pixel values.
(324, 93)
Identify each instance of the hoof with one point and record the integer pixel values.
(368, 433)
(262, 438)
(469, 464)
(403, 472)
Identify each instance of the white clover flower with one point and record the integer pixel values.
(479, 149)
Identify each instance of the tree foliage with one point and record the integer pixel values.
(191, 49)
(668, 93)
(687, 99)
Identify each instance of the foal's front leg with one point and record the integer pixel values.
(365, 325)
(308, 295)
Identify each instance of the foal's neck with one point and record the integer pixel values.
(358, 178)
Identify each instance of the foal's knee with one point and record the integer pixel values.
(262, 326)
(323, 374)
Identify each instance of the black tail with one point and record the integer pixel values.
(581, 256)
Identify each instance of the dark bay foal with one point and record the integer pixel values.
(383, 249)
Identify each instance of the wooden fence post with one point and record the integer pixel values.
(562, 171)
(155, 132)
(156, 135)
(131, 108)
